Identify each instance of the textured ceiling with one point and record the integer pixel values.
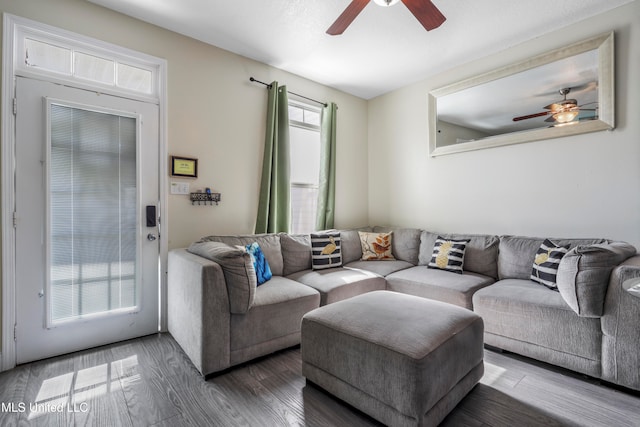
(384, 48)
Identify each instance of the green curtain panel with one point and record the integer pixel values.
(327, 186)
(274, 205)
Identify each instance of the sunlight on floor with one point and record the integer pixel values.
(492, 373)
(70, 392)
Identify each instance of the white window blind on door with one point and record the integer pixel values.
(92, 245)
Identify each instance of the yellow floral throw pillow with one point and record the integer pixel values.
(376, 246)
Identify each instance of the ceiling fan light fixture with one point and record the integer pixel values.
(425, 12)
(565, 116)
(385, 3)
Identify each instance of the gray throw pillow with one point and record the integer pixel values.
(583, 275)
(269, 243)
(239, 273)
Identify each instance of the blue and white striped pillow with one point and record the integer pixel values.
(325, 250)
(448, 255)
(546, 263)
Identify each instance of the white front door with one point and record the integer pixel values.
(87, 259)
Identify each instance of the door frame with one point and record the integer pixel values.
(7, 153)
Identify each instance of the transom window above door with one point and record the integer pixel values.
(53, 55)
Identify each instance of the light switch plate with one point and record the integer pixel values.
(179, 187)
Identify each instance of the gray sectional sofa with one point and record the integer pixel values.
(221, 318)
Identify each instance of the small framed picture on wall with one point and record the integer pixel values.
(184, 167)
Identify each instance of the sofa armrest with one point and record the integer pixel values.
(621, 328)
(198, 310)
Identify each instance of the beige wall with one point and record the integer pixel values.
(216, 115)
(587, 185)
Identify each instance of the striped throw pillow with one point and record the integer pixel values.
(448, 255)
(325, 250)
(546, 263)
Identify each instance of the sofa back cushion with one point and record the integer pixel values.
(517, 254)
(296, 252)
(583, 275)
(238, 270)
(350, 244)
(405, 244)
(269, 243)
(481, 254)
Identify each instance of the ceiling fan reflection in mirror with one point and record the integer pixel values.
(562, 112)
(424, 11)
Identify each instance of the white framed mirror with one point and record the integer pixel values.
(567, 91)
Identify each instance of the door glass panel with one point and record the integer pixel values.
(92, 256)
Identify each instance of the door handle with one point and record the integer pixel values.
(151, 237)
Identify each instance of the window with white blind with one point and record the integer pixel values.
(92, 199)
(304, 134)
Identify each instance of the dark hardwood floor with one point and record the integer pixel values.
(150, 382)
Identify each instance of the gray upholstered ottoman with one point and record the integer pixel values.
(404, 360)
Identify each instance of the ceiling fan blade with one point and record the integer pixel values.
(531, 116)
(425, 12)
(347, 17)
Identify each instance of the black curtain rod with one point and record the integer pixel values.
(292, 93)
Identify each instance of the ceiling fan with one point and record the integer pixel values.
(424, 11)
(562, 112)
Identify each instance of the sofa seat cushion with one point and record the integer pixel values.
(335, 284)
(523, 311)
(277, 311)
(439, 285)
(383, 268)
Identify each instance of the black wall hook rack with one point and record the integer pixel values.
(204, 198)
